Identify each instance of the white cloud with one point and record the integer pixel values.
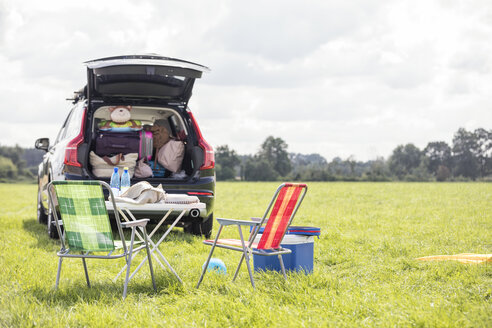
(333, 77)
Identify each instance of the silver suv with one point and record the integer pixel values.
(158, 89)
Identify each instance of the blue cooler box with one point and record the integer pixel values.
(300, 240)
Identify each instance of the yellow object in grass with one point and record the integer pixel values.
(468, 258)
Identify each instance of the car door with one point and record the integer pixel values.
(55, 157)
(57, 152)
(46, 172)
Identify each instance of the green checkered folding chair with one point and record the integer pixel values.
(87, 230)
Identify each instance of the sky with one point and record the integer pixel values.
(333, 77)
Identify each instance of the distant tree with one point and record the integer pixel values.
(15, 154)
(310, 167)
(337, 167)
(258, 169)
(243, 159)
(33, 156)
(274, 151)
(483, 151)
(8, 170)
(351, 163)
(310, 159)
(226, 160)
(442, 173)
(378, 170)
(437, 154)
(404, 159)
(419, 173)
(465, 159)
(314, 173)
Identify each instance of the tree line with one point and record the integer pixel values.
(17, 163)
(468, 158)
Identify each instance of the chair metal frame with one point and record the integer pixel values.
(255, 224)
(127, 251)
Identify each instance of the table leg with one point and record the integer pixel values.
(161, 221)
(125, 217)
(156, 249)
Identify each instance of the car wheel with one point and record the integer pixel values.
(203, 228)
(52, 232)
(42, 217)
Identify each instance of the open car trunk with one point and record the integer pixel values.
(149, 118)
(143, 76)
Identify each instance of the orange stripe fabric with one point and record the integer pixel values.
(271, 219)
(283, 224)
(277, 220)
(279, 217)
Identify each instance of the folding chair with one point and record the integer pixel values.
(87, 228)
(285, 201)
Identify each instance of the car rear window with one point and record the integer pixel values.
(143, 80)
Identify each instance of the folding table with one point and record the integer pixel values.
(130, 212)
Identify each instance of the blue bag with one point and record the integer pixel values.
(158, 170)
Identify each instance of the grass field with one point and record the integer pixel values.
(364, 268)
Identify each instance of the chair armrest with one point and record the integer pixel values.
(136, 223)
(237, 222)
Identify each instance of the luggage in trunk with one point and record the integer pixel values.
(146, 145)
(111, 143)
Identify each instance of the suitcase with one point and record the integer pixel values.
(110, 143)
(146, 144)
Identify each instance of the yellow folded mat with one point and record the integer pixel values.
(463, 258)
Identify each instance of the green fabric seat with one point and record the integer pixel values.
(84, 216)
(86, 226)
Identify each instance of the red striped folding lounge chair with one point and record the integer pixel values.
(282, 209)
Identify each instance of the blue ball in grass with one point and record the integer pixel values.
(216, 265)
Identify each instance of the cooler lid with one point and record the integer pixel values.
(300, 230)
(306, 231)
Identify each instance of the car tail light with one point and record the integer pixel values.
(72, 146)
(209, 157)
(199, 193)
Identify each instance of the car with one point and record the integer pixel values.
(158, 90)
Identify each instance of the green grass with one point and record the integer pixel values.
(365, 273)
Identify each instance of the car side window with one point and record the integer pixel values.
(61, 133)
(74, 122)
